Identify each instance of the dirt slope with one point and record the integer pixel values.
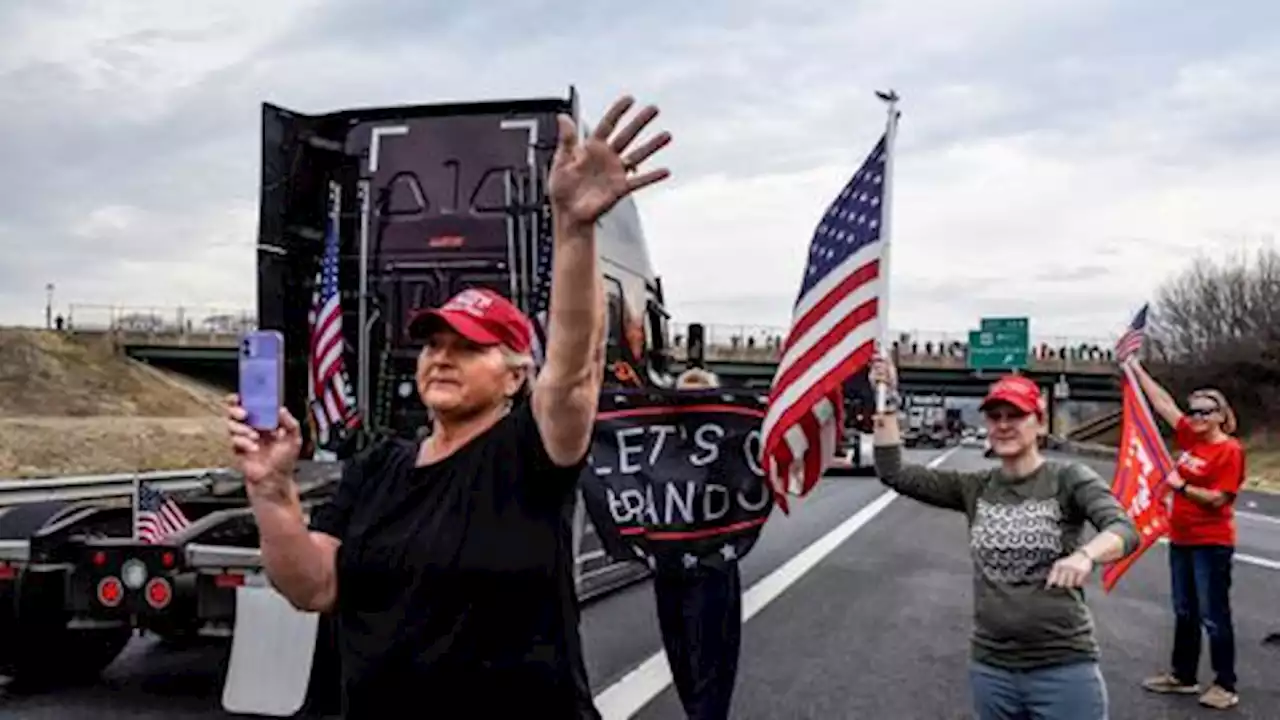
(72, 405)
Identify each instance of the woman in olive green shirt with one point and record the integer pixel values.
(1034, 654)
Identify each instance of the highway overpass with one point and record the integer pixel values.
(1067, 372)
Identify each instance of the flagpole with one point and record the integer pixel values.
(884, 341)
(137, 498)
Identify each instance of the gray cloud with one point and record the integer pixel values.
(131, 158)
(1074, 274)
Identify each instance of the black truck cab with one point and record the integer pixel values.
(427, 200)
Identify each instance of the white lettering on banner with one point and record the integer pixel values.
(709, 511)
(1141, 499)
(757, 505)
(626, 467)
(663, 432)
(685, 504)
(712, 447)
(632, 442)
(668, 501)
(625, 505)
(751, 448)
(634, 506)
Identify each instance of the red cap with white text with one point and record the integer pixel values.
(480, 315)
(1019, 391)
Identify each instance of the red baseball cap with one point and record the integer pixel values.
(480, 315)
(1019, 391)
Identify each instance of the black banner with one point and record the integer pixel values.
(675, 475)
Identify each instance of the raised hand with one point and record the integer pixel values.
(266, 458)
(590, 175)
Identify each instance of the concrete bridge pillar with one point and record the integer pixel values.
(1060, 419)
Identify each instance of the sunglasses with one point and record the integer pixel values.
(1201, 412)
(1003, 415)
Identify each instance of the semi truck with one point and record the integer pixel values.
(424, 201)
(855, 454)
(926, 421)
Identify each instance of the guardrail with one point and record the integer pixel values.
(180, 320)
(765, 336)
(224, 324)
(764, 343)
(105, 487)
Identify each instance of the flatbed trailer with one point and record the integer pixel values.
(76, 585)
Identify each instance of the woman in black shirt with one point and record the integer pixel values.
(448, 562)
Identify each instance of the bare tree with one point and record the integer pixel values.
(1218, 325)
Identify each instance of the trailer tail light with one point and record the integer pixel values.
(167, 559)
(159, 593)
(99, 559)
(229, 580)
(8, 572)
(110, 591)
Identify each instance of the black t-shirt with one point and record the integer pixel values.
(455, 580)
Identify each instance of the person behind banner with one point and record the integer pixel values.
(700, 614)
(1207, 476)
(1034, 653)
(448, 561)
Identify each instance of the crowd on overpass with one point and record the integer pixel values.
(770, 341)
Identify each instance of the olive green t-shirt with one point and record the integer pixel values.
(1018, 528)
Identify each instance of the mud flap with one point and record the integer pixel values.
(271, 655)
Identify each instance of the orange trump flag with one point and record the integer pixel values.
(1142, 464)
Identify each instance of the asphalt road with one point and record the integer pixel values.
(877, 629)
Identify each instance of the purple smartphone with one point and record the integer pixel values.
(262, 378)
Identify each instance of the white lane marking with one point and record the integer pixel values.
(634, 690)
(1248, 559)
(1257, 516)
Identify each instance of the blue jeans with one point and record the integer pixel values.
(1062, 692)
(1201, 580)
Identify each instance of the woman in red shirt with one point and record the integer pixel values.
(1202, 538)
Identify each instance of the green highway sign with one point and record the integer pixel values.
(1000, 344)
(1011, 324)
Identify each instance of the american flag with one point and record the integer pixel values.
(330, 391)
(1131, 342)
(156, 516)
(833, 332)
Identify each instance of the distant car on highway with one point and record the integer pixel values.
(854, 456)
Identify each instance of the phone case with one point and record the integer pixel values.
(262, 378)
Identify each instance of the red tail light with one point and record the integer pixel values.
(99, 558)
(8, 572)
(159, 593)
(229, 580)
(110, 591)
(167, 559)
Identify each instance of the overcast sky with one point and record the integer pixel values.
(1055, 158)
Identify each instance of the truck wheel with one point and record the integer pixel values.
(19, 522)
(40, 651)
(53, 656)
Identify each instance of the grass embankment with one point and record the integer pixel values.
(1263, 467)
(72, 405)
